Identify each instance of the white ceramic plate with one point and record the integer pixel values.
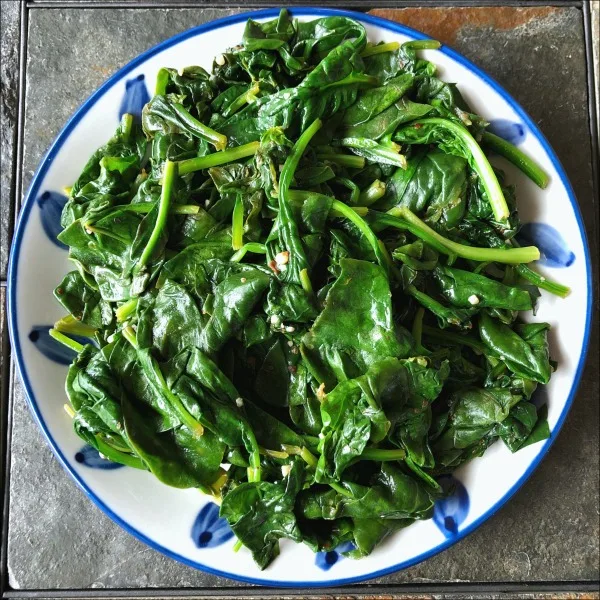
(184, 524)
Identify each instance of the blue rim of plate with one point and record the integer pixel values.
(64, 134)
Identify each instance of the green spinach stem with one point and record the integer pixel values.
(305, 281)
(446, 336)
(303, 452)
(389, 153)
(542, 282)
(431, 303)
(125, 310)
(217, 485)
(218, 140)
(343, 160)
(162, 80)
(70, 325)
(253, 247)
(117, 456)
(380, 49)
(247, 97)
(518, 158)
(273, 453)
(402, 218)
(340, 489)
(291, 162)
(65, 340)
(146, 207)
(289, 230)
(126, 125)
(129, 334)
(170, 171)
(374, 192)
(423, 44)
(308, 456)
(353, 79)
(106, 232)
(417, 329)
(351, 186)
(217, 158)
(303, 195)
(381, 254)
(380, 454)
(361, 211)
(237, 225)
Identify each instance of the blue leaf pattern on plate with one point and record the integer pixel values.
(553, 248)
(326, 560)
(51, 205)
(90, 457)
(449, 512)
(136, 96)
(509, 130)
(210, 530)
(51, 348)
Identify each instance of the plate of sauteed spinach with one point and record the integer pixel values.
(300, 298)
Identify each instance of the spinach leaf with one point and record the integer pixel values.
(169, 322)
(304, 407)
(316, 39)
(369, 533)
(434, 186)
(467, 289)
(175, 457)
(261, 513)
(473, 422)
(236, 290)
(417, 255)
(392, 495)
(517, 427)
(82, 301)
(121, 156)
(166, 115)
(524, 349)
(351, 416)
(356, 327)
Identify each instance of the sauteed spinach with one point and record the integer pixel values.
(300, 281)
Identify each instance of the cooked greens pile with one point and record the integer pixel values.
(300, 282)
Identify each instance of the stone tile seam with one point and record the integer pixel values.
(18, 163)
(536, 591)
(133, 4)
(15, 197)
(7, 383)
(593, 112)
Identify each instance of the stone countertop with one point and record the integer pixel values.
(9, 69)
(547, 532)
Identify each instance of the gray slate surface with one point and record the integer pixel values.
(549, 530)
(9, 70)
